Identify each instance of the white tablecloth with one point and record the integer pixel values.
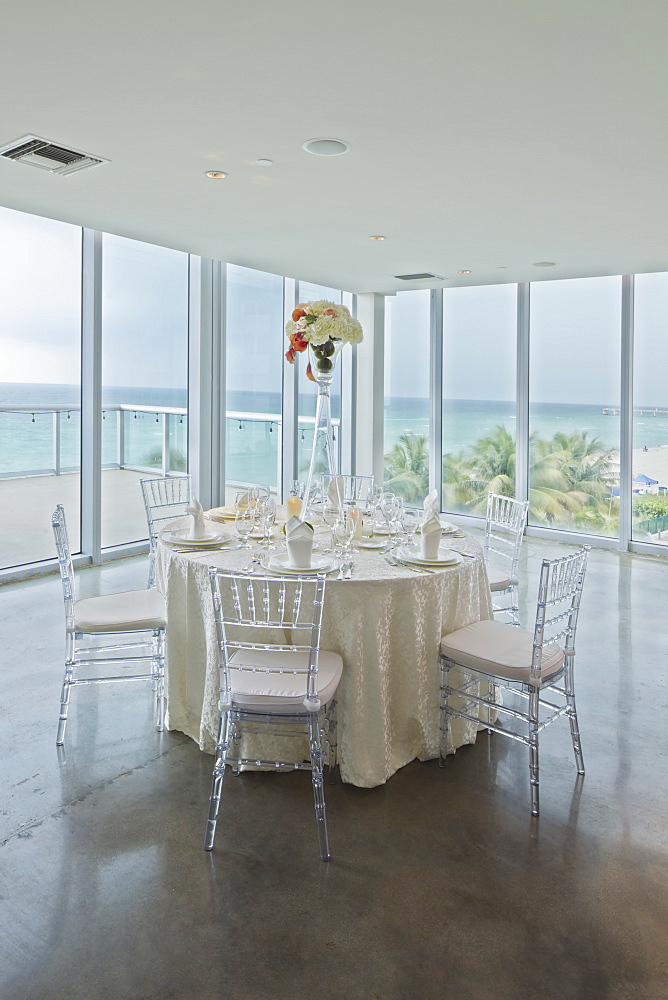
(386, 622)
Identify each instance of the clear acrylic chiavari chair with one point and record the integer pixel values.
(135, 620)
(533, 670)
(273, 687)
(504, 528)
(165, 500)
(356, 489)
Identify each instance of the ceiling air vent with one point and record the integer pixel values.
(49, 156)
(418, 277)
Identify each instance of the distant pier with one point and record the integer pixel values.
(653, 412)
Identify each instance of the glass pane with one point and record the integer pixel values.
(479, 377)
(40, 392)
(144, 377)
(407, 394)
(254, 376)
(308, 391)
(650, 410)
(574, 408)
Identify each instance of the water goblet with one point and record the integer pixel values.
(330, 515)
(266, 513)
(344, 530)
(244, 522)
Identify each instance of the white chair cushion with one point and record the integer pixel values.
(281, 694)
(131, 611)
(500, 649)
(498, 579)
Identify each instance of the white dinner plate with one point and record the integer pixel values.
(181, 536)
(371, 543)
(279, 564)
(446, 557)
(221, 513)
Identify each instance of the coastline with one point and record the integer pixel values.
(652, 463)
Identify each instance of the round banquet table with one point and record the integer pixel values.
(386, 622)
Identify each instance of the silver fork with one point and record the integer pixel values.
(393, 561)
(250, 568)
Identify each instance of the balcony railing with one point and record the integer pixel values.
(45, 440)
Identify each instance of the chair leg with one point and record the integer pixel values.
(217, 784)
(533, 750)
(331, 743)
(64, 704)
(318, 789)
(444, 720)
(573, 719)
(159, 642)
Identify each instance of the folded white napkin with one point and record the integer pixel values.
(430, 537)
(430, 506)
(335, 491)
(299, 542)
(244, 499)
(197, 526)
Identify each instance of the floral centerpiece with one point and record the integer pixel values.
(324, 327)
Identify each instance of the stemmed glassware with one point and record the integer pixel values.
(330, 515)
(410, 523)
(245, 515)
(265, 509)
(344, 530)
(392, 509)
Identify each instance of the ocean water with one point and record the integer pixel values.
(26, 436)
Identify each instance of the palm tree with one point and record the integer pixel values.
(407, 467)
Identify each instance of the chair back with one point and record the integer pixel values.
(59, 525)
(559, 594)
(245, 607)
(164, 500)
(355, 488)
(504, 527)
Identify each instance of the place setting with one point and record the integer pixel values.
(196, 535)
(423, 548)
(299, 557)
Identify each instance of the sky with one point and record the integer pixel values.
(575, 325)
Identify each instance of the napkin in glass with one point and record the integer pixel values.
(335, 491)
(197, 526)
(430, 537)
(299, 543)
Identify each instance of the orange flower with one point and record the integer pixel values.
(297, 343)
(298, 313)
(329, 312)
(290, 355)
(309, 374)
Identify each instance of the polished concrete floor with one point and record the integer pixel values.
(441, 885)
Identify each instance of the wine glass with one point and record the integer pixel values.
(244, 522)
(344, 529)
(330, 515)
(410, 523)
(391, 508)
(266, 513)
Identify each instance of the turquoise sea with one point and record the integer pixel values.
(26, 435)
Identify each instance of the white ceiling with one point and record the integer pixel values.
(486, 134)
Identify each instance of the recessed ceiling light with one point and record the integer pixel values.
(464, 272)
(502, 267)
(216, 175)
(377, 237)
(326, 147)
(544, 263)
(264, 163)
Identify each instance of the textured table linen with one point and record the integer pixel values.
(386, 622)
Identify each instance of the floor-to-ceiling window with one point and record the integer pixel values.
(144, 377)
(650, 410)
(40, 391)
(575, 335)
(406, 446)
(254, 359)
(479, 376)
(308, 391)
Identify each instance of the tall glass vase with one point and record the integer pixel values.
(324, 453)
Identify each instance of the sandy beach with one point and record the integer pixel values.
(652, 463)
